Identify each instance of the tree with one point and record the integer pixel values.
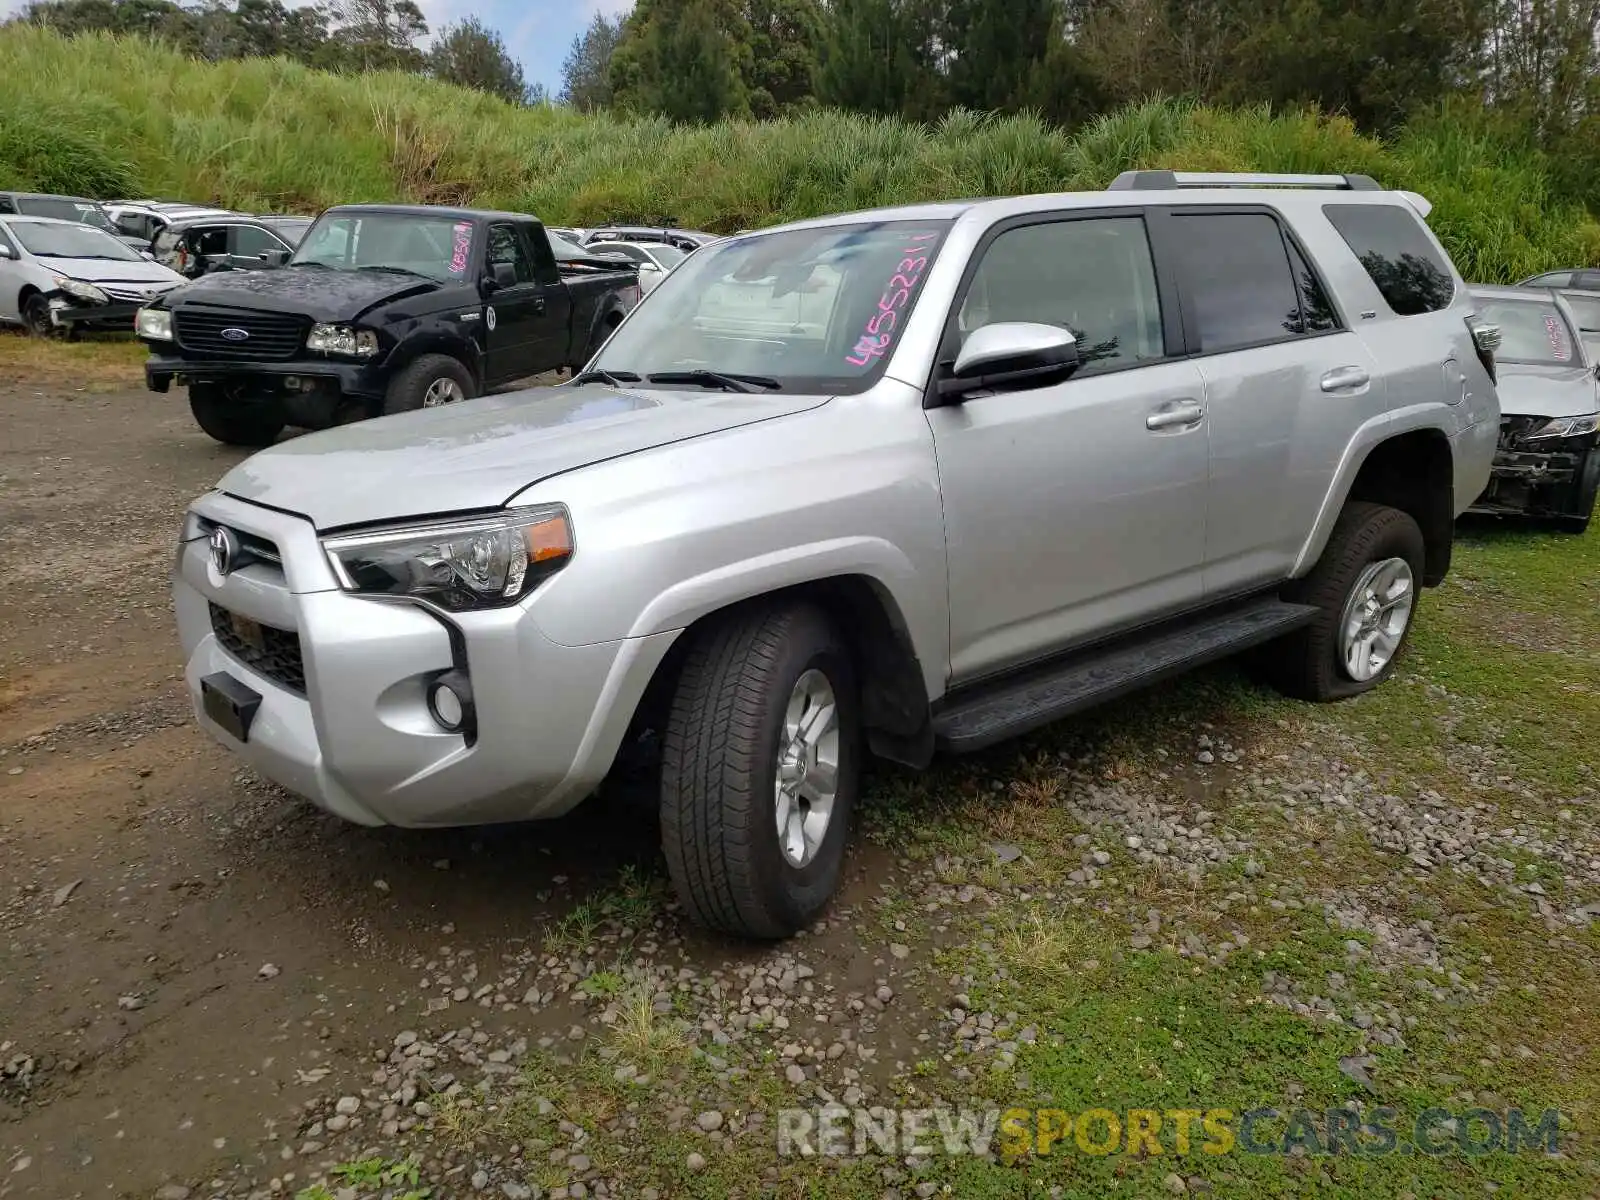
(784, 36)
(879, 56)
(474, 56)
(376, 35)
(684, 59)
(996, 46)
(586, 73)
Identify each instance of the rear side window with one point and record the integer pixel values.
(1391, 244)
(1236, 269)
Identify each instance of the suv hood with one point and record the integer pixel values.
(1530, 390)
(110, 270)
(478, 454)
(321, 293)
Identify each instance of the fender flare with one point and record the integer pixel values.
(436, 341)
(1368, 437)
(605, 311)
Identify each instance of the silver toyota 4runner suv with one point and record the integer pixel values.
(888, 482)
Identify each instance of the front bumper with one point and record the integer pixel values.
(68, 313)
(367, 380)
(358, 740)
(1543, 477)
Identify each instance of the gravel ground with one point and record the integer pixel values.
(210, 990)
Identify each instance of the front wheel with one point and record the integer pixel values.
(232, 417)
(1584, 492)
(36, 318)
(1365, 586)
(760, 769)
(428, 382)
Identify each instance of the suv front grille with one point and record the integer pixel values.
(266, 335)
(252, 547)
(275, 654)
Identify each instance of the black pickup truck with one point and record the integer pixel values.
(381, 309)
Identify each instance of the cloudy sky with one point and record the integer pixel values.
(537, 32)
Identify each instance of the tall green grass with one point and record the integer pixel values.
(101, 115)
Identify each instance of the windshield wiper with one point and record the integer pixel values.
(609, 378)
(720, 379)
(394, 270)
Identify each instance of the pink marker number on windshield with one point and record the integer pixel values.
(878, 335)
(463, 243)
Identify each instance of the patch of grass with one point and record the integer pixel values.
(95, 364)
(602, 984)
(574, 931)
(646, 1038)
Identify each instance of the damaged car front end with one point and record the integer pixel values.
(1547, 464)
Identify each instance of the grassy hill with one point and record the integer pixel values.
(107, 116)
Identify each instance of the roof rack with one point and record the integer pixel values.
(1147, 181)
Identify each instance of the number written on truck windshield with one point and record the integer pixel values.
(878, 336)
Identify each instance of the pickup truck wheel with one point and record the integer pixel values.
(430, 381)
(233, 419)
(1365, 585)
(759, 771)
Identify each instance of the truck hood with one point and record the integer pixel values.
(1532, 390)
(320, 293)
(478, 454)
(111, 270)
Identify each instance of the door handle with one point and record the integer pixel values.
(538, 307)
(1345, 379)
(1184, 413)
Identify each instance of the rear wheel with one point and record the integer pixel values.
(1365, 585)
(232, 417)
(429, 382)
(759, 771)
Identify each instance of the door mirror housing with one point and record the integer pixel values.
(273, 258)
(504, 275)
(5, 252)
(1010, 353)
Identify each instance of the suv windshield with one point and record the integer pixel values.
(815, 310)
(84, 211)
(69, 241)
(437, 247)
(1531, 331)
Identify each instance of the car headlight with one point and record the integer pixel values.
(80, 290)
(1565, 427)
(154, 323)
(471, 563)
(342, 339)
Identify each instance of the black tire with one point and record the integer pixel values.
(233, 419)
(409, 389)
(36, 317)
(1584, 491)
(1307, 663)
(719, 765)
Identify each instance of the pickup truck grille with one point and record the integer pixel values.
(267, 335)
(274, 653)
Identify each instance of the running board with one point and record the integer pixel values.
(1021, 704)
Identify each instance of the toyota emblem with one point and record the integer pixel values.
(234, 334)
(224, 550)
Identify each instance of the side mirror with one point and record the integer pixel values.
(273, 258)
(505, 275)
(5, 252)
(147, 256)
(1010, 352)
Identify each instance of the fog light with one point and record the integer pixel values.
(450, 702)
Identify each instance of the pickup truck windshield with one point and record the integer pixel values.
(439, 248)
(815, 310)
(69, 241)
(1532, 331)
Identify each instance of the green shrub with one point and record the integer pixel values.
(126, 116)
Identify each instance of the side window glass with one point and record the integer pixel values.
(210, 242)
(1236, 269)
(506, 248)
(1317, 314)
(1094, 278)
(249, 242)
(1392, 246)
(6, 206)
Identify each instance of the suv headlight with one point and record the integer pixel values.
(342, 339)
(1565, 427)
(154, 323)
(472, 563)
(79, 290)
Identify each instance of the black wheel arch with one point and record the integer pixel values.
(464, 350)
(1415, 472)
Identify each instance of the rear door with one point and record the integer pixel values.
(1286, 383)
(10, 278)
(558, 317)
(515, 318)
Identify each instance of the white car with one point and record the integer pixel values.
(63, 276)
(655, 259)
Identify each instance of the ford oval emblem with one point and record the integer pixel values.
(234, 334)
(224, 550)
